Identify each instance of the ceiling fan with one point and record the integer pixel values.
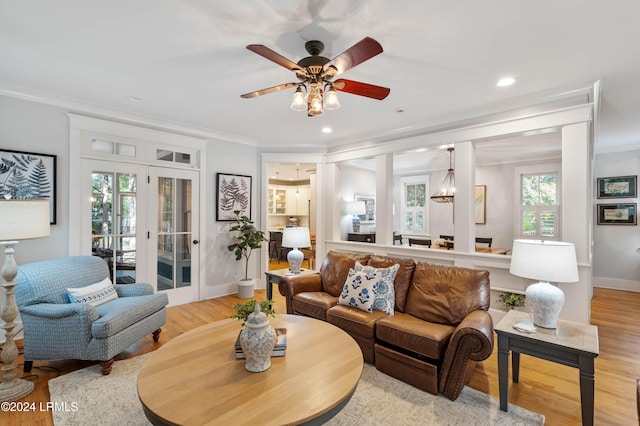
(316, 75)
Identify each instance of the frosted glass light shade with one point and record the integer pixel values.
(544, 261)
(23, 219)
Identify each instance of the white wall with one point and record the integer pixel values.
(500, 211)
(616, 250)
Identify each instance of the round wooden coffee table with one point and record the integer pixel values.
(195, 378)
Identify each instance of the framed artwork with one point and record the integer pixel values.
(481, 204)
(233, 193)
(618, 187)
(28, 176)
(617, 214)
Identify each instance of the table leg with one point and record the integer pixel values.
(269, 287)
(503, 371)
(587, 382)
(515, 366)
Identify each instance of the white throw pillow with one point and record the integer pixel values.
(385, 292)
(359, 290)
(94, 294)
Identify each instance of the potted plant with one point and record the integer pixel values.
(244, 309)
(511, 300)
(248, 239)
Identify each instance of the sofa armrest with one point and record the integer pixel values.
(63, 310)
(471, 341)
(291, 285)
(135, 289)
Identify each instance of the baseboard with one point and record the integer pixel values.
(616, 284)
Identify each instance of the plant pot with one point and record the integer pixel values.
(245, 288)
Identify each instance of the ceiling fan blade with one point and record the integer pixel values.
(364, 50)
(268, 90)
(362, 89)
(265, 52)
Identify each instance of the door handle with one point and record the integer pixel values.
(195, 241)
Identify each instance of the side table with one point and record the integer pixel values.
(273, 277)
(572, 344)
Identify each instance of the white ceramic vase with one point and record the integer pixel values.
(257, 340)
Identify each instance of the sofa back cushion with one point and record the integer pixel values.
(335, 268)
(47, 281)
(447, 294)
(403, 276)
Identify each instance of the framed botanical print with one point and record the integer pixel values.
(618, 187)
(28, 176)
(233, 193)
(481, 204)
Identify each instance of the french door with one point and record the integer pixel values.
(144, 224)
(174, 232)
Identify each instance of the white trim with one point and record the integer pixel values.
(616, 284)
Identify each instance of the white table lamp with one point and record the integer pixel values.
(545, 261)
(295, 238)
(19, 220)
(355, 209)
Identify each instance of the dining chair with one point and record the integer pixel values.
(275, 245)
(397, 237)
(447, 237)
(480, 240)
(419, 242)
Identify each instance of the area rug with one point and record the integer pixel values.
(94, 399)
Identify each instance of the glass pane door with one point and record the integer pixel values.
(113, 222)
(174, 233)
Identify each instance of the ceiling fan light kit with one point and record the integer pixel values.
(316, 75)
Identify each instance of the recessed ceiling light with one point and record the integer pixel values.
(400, 110)
(421, 150)
(134, 99)
(327, 130)
(505, 81)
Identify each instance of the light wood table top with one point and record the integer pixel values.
(195, 379)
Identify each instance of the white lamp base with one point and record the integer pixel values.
(295, 258)
(11, 388)
(545, 302)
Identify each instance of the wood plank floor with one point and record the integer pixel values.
(544, 387)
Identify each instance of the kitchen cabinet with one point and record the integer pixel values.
(277, 201)
(298, 205)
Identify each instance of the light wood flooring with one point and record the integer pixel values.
(544, 387)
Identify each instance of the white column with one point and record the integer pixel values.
(464, 204)
(384, 199)
(576, 216)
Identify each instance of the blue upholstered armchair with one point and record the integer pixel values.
(55, 328)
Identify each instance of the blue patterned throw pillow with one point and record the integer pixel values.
(359, 290)
(385, 293)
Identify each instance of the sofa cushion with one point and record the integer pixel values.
(402, 279)
(313, 304)
(120, 313)
(354, 321)
(385, 292)
(414, 335)
(359, 290)
(94, 294)
(445, 294)
(335, 268)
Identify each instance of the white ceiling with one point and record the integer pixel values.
(186, 62)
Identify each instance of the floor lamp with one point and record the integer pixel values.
(19, 220)
(296, 238)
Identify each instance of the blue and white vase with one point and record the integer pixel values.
(257, 340)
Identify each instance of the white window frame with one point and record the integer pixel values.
(413, 180)
(529, 170)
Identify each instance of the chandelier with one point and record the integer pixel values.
(448, 187)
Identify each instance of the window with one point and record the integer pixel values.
(414, 209)
(539, 210)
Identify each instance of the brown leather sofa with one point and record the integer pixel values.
(440, 328)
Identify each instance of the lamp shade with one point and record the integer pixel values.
(550, 261)
(24, 219)
(296, 238)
